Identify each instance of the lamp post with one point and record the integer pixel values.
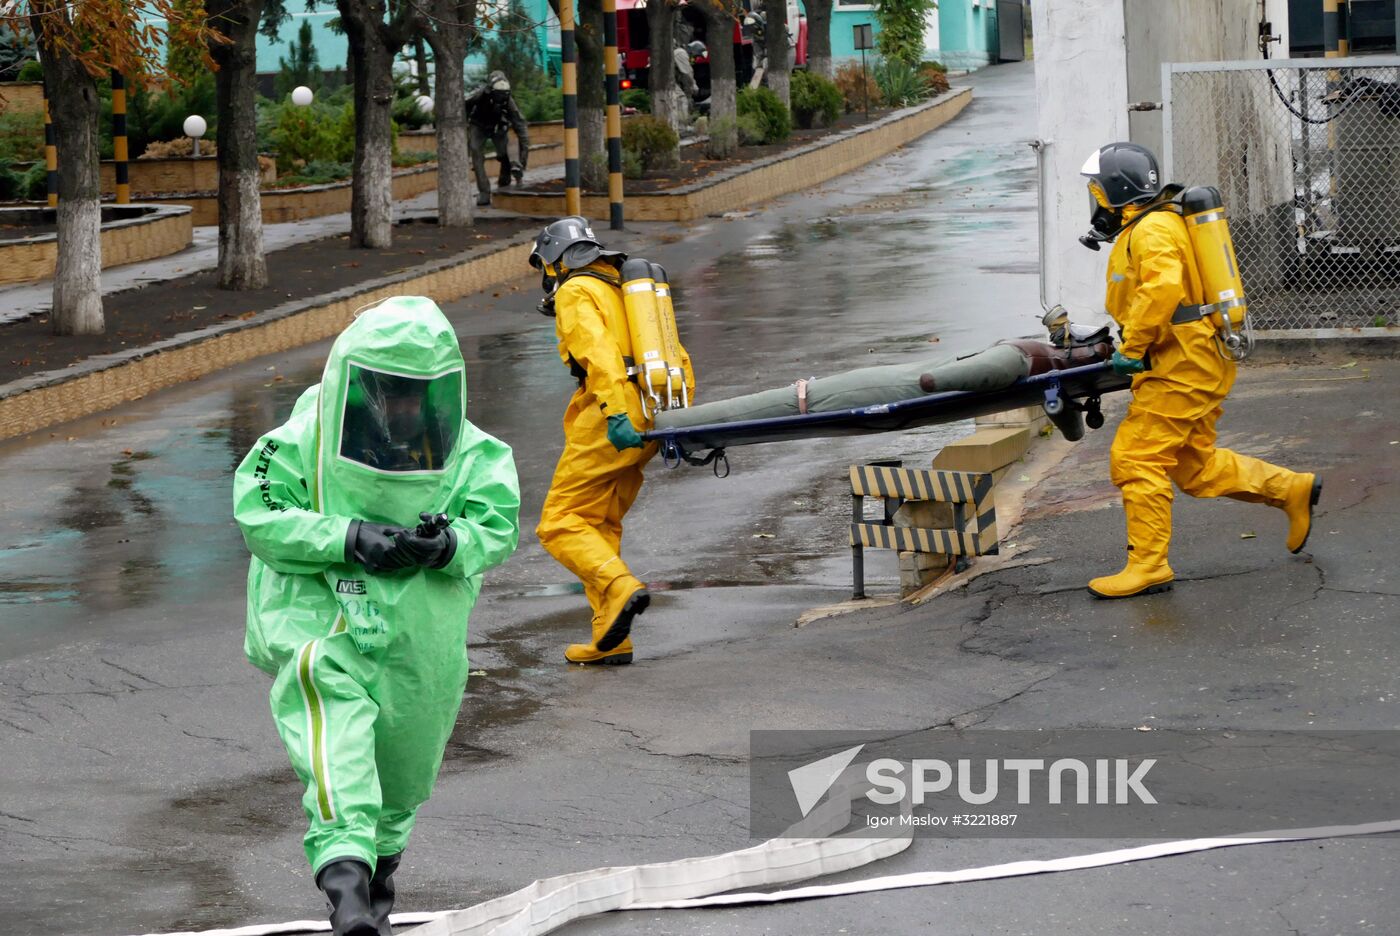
(302, 96)
(864, 41)
(195, 128)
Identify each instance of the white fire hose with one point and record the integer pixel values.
(804, 853)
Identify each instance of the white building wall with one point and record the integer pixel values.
(1081, 84)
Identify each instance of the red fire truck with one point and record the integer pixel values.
(634, 43)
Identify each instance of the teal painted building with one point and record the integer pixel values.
(962, 34)
(332, 48)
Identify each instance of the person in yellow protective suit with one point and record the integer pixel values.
(600, 471)
(1168, 434)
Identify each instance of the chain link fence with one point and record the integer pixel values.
(1307, 157)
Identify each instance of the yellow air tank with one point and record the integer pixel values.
(1224, 302)
(648, 365)
(680, 387)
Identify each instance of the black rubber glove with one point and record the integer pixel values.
(430, 545)
(373, 546)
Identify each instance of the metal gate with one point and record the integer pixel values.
(1011, 31)
(1306, 153)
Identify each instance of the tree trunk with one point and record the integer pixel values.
(661, 72)
(241, 261)
(77, 279)
(778, 75)
(592, 96)
(724, 111)
(450, 117)
(420, 64)
(371, 188)
(819, 37)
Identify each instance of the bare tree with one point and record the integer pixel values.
(819, 37)
(778, 75)
(719, 43)
(241, 261)
(377, 30)
(450, 28)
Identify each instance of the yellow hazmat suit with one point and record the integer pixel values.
(594, 483)
(1168, 434)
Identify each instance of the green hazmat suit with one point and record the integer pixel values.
(370, 669)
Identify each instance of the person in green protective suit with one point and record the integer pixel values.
(357, 608)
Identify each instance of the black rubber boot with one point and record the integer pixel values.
(346, 885)
(381, 891)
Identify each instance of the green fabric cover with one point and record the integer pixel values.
(997, 367)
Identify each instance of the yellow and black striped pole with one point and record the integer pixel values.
(614, 112)
(50, 157)
(573, 201)
(119, 149)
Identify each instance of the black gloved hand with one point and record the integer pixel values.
(431, 545)
(373, 546)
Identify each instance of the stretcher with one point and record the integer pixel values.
(1071, 398)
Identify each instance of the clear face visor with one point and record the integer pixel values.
(398, 423)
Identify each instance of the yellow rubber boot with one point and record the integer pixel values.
(1303, 495)
(1135, 579)
(589, 653)
(1149, 515)
(625, 598)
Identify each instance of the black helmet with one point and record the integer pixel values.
(570, 243)
(1119, 174)
(1125, 172)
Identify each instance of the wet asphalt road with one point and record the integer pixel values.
(144, 788)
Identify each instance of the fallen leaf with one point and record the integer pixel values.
(1247, 536)
(128, 452)
(1346, 365)
(247, 315)
(477, 672)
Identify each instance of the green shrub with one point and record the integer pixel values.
(901, 35)
(639, 98)
(632, 167)
(30, 71)
(317, 172)
(816, 102)
(651, 140)
(408, 115)
(317, 133)
(900, 84)
(770, 117)
(753, 131)
(20, 182)
(21, 137)
(545, 102)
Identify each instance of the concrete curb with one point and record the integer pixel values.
(101, 382)
(764, 179)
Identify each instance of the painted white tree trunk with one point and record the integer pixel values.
(454, 159)
(77, 282)
(242, 264)
(77, 279)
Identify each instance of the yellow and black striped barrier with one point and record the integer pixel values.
(568, 51)
(614, 114)
(50, 157)
(119, 147)
(974, 531)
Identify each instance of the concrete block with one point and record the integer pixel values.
(1031, 416)
(986, 450)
